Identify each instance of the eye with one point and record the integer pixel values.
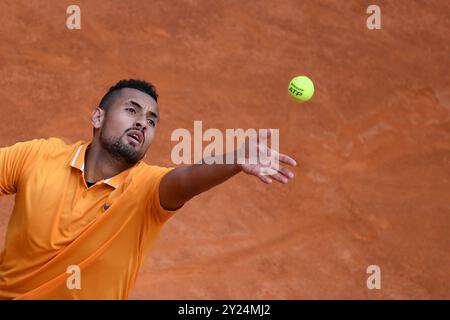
(151, 122)
(134, 111)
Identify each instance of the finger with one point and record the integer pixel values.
(286, 172)
(286, 159)
(270, 171)
(280, 178)
(265, 179)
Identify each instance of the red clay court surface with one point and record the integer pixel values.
(373, 144)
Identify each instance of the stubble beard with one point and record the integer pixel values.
(120, 151)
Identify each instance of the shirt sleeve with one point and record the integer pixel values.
(14, 161)
(154, 208)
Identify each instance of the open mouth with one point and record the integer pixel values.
(134, 138)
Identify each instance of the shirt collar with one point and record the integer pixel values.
(78, 162)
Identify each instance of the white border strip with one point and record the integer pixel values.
(76, 156)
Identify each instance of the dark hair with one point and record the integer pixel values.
(140, 85)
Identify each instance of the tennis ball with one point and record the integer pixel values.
(301, 88)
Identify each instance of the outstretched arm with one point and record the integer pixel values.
(183, 183)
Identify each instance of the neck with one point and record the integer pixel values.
(100, 165)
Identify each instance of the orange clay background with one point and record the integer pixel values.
(373, 144)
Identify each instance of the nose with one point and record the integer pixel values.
(141, 124)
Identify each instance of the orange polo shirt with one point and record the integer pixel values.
(67, 241)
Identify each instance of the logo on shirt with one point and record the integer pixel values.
(106, 206)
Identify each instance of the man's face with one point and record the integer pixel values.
(129, 125)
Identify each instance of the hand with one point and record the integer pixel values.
(256, 158)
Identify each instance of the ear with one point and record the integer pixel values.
(97, 117)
